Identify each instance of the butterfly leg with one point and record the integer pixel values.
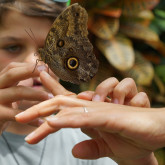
(37, 61)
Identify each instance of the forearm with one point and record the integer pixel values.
(149, 160)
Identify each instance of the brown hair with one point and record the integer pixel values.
(46, 8)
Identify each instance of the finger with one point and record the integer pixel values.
(8, 114)
(87, 95)
(140, 100)
(126, 89)
(12, 65)
(75, 117)
(18, 93)
(14, 75)
(104, 89)
(53, 85)
(49, 107)
(40, 133)
(91, 149)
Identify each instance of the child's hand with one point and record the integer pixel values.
(11, 92)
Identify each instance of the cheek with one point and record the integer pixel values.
(4, 60)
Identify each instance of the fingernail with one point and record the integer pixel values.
(46, 74)
(96, 98)
(40, 122)
(50, 95)
(20, 115)
(41, 68)
(116, 101)
(30, 136)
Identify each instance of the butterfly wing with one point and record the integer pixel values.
(68, 50)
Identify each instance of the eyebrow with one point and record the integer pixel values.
(10, 39)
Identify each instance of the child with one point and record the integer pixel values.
(21, 88)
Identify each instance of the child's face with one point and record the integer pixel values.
(17, 46)
(15, 43)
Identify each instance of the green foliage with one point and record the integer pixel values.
(160, 71)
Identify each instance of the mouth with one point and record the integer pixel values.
(37, 83)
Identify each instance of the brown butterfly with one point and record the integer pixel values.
(67, 50)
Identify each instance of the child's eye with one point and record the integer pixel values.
(13, 48)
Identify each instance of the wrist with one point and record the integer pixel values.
(148, 160)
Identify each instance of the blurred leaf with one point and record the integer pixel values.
(138, 31)
(160, 71)
(102, 4)
(111, 12)
(159, 84)
(142, 71)
(144, 18)
(118, 51)
(130, 7)
(160, 13)
(145, 14)
(160, 156)
(93, 3)
(153, 58)
(104, 27)
(158, 45)
(84, 3)
(158, 25)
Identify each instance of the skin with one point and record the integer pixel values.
(129, 135)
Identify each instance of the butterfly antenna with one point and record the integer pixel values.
(35, 41)
(32, 37)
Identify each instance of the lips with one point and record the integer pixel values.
(37, 83)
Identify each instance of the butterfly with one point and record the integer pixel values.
(67, 50)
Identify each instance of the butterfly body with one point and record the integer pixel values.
(68, 51)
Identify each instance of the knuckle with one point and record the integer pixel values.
(113, 79)
(106, 83)
(143, 95)
(118, 90)
(59, 98)
(130, 81)
(19, 90)
(29, 69)
(12, 65)
(9, 74)
(100, 87)
(127, 84)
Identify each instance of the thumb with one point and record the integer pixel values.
(53, 85)
(90, 149)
